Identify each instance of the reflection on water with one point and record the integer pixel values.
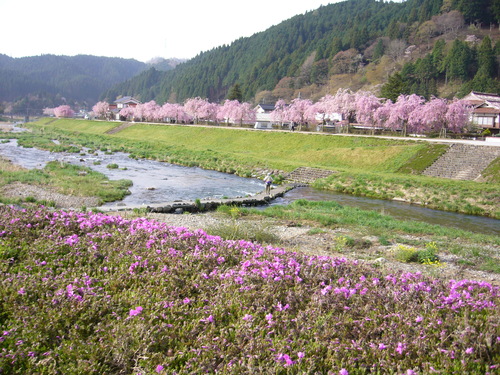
(157, 182)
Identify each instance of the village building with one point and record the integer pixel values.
(119, 104)
(263, 116)
(486, 112)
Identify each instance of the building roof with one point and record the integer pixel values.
(266, 107)
(487, 110)
(492, 100)
(127, 99)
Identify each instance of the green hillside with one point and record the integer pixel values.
(30, 84)
(355, 43)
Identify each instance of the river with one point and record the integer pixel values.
(157, 182)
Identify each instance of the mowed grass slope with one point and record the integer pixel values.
(278, 150)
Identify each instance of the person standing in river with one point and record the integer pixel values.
(268, 180)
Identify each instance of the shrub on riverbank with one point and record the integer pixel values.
(89, 293)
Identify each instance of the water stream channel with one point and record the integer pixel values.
(157, 182)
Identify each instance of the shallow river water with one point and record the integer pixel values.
(157, 182)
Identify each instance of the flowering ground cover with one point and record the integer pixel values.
(87, 293)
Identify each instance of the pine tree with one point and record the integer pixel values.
(438, 55)
(486, 58)
(235, 93)
(458, 60)
(394, 87)
(475, 10)
(379, 49)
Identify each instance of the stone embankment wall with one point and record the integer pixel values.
(463, 162)
(305, 175)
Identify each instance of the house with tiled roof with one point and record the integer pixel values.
(123, 102)
(486, 112)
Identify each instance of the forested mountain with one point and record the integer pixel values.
(355, 43)
(33, 83)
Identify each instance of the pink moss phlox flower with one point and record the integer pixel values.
(73, 293)
(286, 359)
(401, 348)
(343, 372)
(280, 307)
(248, 317)
(210, 319)
(71, 240)
(136, 311)
(159, 368)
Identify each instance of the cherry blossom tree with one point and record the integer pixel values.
(382, 114)
(174, 112)
(138, 112)
(150, 111)
(279, 112)
(208, 112)
(127, 113)
(324, 107)
(458, 115)
(196, 108)
(101, 110)
(236, 112)
(64, 111)
(429, 116)
(401, 111)
(344, 103)
(248, 113)
(366, 104)
(299, 112)
(228, 111)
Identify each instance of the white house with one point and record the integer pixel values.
(263, 116)
(486, 112)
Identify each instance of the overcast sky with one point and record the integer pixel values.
(139, 29)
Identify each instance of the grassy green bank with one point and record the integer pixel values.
(220, 148)
(64, 179)
(374, 167)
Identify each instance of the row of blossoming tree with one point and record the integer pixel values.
(409, 114)
(194, 110)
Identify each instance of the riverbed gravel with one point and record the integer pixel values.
(41, 194)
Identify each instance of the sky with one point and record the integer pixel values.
(140, 29)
